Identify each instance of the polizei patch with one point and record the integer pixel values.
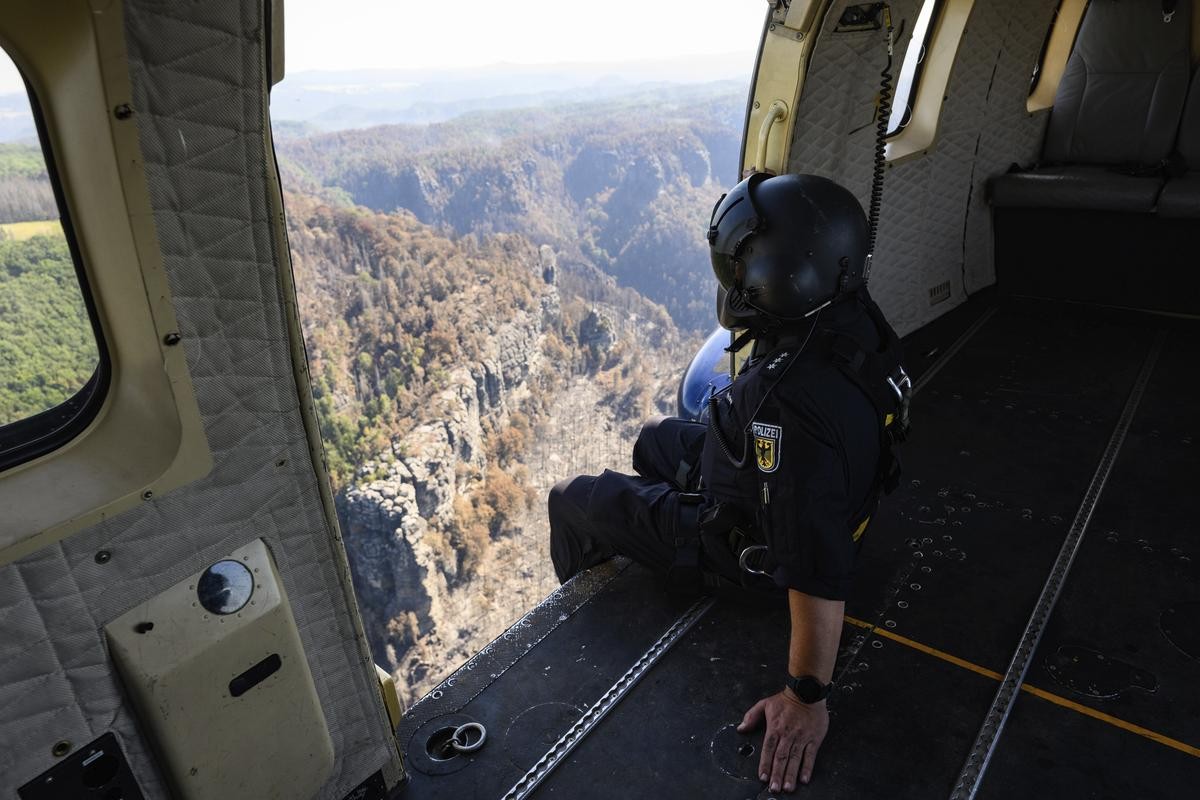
(767, 441)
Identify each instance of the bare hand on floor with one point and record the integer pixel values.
(794, 734)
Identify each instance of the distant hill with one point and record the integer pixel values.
(337, 100)
(16, 120)
(624, 186)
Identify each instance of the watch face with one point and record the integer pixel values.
(808, 688)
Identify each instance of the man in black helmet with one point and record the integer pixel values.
(776, 490)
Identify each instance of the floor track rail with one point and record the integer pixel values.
(952, 351)
(567, 742)
(971, 776)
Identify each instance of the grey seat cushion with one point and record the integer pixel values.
(1188, 146)
(1123, 91)
(1181, 197)
(1084, 188)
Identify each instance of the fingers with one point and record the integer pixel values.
(770, 743)
(810, 759)
(793, 764)
(788, 751)
(753, 717)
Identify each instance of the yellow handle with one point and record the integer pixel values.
(776, 113)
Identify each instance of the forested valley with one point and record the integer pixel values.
(625, 186)
(492, 304)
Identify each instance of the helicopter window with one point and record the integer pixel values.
(52, 365)
(911, 69)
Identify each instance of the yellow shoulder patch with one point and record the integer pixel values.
(767, 442)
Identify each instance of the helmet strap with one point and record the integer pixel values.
(740, 341)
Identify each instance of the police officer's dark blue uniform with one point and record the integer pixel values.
(793, 454)
(809, 439)
(777, 489)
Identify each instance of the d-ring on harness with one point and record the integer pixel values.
(747, 554)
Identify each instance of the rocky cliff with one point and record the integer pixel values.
(396, 517)
(457, 379)
(431, 600)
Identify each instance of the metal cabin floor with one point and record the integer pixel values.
(1008, 434)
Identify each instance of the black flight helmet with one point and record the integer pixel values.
(783, 247)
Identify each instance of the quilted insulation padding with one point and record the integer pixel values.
(935, 224)
(197, 78)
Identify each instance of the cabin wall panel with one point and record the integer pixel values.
(197, 71)
(1008, 133)
(935, 224)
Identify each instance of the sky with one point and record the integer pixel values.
(405, 34)
(10, 79)
(402, 34)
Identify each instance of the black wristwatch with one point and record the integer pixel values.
(808, 689)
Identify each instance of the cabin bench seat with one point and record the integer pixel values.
(1114, 135)
(1180, 198)
(1086, 188)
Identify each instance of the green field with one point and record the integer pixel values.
(21, 161)
(22, 231)
(47, 348)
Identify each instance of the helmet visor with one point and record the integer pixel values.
(734, 220)
(725, 268)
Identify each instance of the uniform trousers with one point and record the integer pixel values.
(642, 516)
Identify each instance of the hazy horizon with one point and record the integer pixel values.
(339, 99)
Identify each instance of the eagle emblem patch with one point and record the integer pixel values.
(767, 441)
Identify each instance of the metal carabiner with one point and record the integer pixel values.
(901, 386)
(460, 740)
(744, 558)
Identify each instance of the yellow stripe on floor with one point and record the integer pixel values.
(1058, 700)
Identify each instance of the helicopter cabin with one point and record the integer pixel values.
(176, 603)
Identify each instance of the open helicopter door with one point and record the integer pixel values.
(176, 613)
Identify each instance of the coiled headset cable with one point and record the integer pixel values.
(882, 121)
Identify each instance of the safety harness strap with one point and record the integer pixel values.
(880, 375)
(883, 380)
(720, 531)
(685, 574)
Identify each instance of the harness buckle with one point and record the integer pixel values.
(901, 385)
(744, 559)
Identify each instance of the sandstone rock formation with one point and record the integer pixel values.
(423, 610)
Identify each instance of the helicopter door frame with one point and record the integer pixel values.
(788, 38)
(75, 65)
